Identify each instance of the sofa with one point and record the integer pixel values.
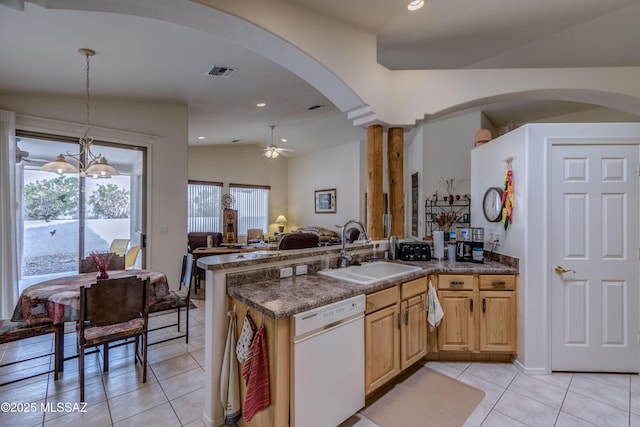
(325, 235)
(298, 241)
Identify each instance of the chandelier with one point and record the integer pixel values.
(90, 164)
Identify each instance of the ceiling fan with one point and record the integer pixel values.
(272, 152)
(22, 155)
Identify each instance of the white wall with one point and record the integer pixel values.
(447, 147)
(528, 238)
(167, 168)
(244, 164)
(337, 168)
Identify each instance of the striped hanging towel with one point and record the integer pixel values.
(256, 373)
(229, 381)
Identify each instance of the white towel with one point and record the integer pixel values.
(435, 313)
(229, 380)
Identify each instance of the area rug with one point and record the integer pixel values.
(426, 398)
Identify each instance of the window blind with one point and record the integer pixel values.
(204, 206)
(252, 204)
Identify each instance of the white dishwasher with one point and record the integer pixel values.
(328, 363)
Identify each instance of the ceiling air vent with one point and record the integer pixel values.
(218, 71)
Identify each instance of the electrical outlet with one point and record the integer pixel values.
(498, 239)
(301, 269)
(286, 272)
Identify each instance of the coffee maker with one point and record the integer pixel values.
(464, 244)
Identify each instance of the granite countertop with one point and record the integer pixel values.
(286, 297)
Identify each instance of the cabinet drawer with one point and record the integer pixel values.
(497, 281)
(383, 298)
(455, 281)
(414, 287)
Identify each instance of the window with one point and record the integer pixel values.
(203, 206)
(252, 204)
(64, 218)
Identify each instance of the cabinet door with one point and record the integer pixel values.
(382, 347)
(456, 331)
(497, 321)
(413, 330)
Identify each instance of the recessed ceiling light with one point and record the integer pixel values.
(201, 137)
(261, 104)
(283, 140)
(415, 5)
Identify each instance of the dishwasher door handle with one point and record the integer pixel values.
(327, 328)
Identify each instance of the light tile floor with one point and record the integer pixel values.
(173, 393)
(513, 398)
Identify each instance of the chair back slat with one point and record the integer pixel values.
(112, 301)
(187, 272)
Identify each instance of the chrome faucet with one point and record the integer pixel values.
(344, 256)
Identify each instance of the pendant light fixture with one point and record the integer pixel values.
(90, 164)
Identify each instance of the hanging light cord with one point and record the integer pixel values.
(87, 85)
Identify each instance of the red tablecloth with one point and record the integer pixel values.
(59, 299)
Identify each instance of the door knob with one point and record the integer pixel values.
(560, 269)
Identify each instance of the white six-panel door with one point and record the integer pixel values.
(594, 237)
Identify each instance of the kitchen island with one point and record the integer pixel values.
(253, 281)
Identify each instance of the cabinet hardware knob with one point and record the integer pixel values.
(498, 283)
(456, 283)
(471, 305)
(484, 305)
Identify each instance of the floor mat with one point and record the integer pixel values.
(426, 398)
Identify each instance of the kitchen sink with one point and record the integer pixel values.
(371, 272)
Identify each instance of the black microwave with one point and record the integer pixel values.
(414, 251)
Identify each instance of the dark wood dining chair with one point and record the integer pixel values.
(113, 310)
(177, 299)
(14, 331)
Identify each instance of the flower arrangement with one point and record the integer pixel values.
(446, 219)
(102, 261)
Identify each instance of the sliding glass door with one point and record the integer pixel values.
(64, 218)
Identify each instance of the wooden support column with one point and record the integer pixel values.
(395, 156)
(374, 182)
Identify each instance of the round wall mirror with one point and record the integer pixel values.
(492, 204)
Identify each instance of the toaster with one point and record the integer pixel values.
(414, 251)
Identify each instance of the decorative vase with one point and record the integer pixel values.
(102, 272)
(450, 199)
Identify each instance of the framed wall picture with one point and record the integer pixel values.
(414, 204)
(325, 201)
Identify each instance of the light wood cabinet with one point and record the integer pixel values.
(382, 338)
(457, 329)
(480, 313)
(413, 322)
(497, 321)
(395, 331)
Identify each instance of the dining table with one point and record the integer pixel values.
(58, 299)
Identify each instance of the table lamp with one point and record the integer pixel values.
(281, 221)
